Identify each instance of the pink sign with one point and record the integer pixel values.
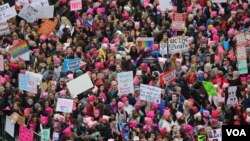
(1, 63)
(25, 134)
(75, 5)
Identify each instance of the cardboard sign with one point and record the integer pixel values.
(75, 5)
(9, 127)
(214, 134)
(178, 22)
(219, 1)
(45, 12)
(144, 42)
(71, 64)
(166, 5)
(80, 84)
(4, 28)
(209, 87)
(150, 93)
(163, 48)
(7, 12)
(64, 105)
(47, 27)
(25, 134)
(166, 77)
(178, 44)
(125, 83)
(232, 98)
(29, 13)
(29, 81)
(1, 63)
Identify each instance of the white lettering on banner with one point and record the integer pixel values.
(167, 78)
(236, 132)
(178, 44)
(150, 93)
(125, 82)
(232, 99)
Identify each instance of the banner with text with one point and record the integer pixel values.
(150, 93)
(71, 64)
(7, 12)
(4, 28)
(75, 5)
(167, 77)
(178, 22)
(64, 105)
(29, 13)
(178, 44)
(232, 98)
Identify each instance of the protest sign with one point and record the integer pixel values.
(1, 63)
(166, 5)
(202, 138)
(232, 98)
(80, 84)
(22, 2)
(45, 134)
(9, 127)
(125, 83)
(7, 12)
(209, 87)
(45, 12)
(167, 77)
(25, 134)
(75, 5)
(71, 64)
(178, 44)
(19, 49)
(178, 22)
(39, 3)
(242, 66)
(4, 28)
(47, 27)
(241, 39)
(25, 56)
(150, 93)
(214, 134)
(29, 81)
(145, 42)
(241, 52)
(163, 48)
(219, 1)
(29, 13)
(64, 105)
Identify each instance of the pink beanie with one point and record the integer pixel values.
(136, 80)
(206, 113)
(214, 13)
(214, 30)
(155, 47)
(166, 114)
(113, 48)
(190, 9)
(44, 120)
(133, 124)
(62, 92)
(49, 110)
(222, 11)
(188, 128)
(125, 15)
(216, 58)
(27, 110)
(230, 31)
(220, 50)
(120, 104)
(70, 76)
(231, 57)
(154, 106)
(105, 40)
(215, 38)
(92, 98)
(148, 120)
(90, 11)
(151, 114)
(67, 131)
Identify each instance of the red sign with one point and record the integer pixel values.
(166, 77)
(178, 22)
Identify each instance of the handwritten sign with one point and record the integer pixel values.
(76, 86)
(39, 3)
(25, 134)
(166, 5)
(163, 48)
(4, 28)
(45, 134)
(150, 93)
(1, 63)
(71, 64)
(232, 98)
(75, 5)
(241, 52)
(167, 77)
(209, 87)
(178, 23)
(29, 81)
(29, 13)
(47, 27)
(241, 39)
(64, 105)
(178, 44)
(242, 66)
(45, 12)
(9, 127)
(7, 12)
(214, 134)
(125, 82)
(219, 1)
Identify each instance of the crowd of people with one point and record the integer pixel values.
(103, 36)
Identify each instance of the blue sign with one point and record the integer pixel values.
(71, 64)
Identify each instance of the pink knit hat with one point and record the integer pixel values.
(188, 128)
(133, 124)
(105, 40)
(166, 114)
(27, 110)
(136, 80)
(67, 131)
(154, 106)
(151, 114)
(120, 104)
(44, 120)
(220, 50)
(148, 120)
(49, 110)
(216, 58)
(216, 38)
(214, 13)
(190, 9)
(90, 11)
(215, 114)
(105, 117)
(214, 30)
(125, 15)
(92, 98)
(70, 76)
(62, 93)
(206, 113)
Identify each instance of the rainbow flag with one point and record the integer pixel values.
(144, 42)
(19, 49)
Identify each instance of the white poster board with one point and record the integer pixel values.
(178, 44)
(9, 127)
(29, 13)
(125, 83)
(166, 5)
(80, 84)
(64, 105)
(150, 93)
(232, 98)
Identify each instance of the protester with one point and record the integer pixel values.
(209, 87)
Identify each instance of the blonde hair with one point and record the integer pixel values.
(66, 21)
